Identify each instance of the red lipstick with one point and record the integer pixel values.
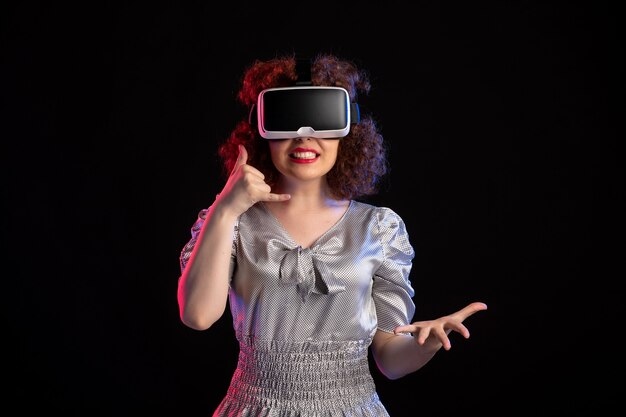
(303, 155)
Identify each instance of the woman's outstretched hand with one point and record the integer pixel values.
(246, 186)
(433, 333)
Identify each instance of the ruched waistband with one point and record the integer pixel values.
(310, 375)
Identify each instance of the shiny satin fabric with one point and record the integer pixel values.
(310, 379)
(286, 299)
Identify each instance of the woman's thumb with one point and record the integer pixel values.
(243, 156)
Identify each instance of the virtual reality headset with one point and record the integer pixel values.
(304, 111)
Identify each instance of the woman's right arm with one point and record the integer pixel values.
(203, 284)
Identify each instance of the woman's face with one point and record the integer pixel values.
(304, 159)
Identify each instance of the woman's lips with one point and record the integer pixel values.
(303, 156)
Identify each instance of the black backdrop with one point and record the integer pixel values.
(505, 166)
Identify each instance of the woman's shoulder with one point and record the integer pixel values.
(387, 226)
(382, 213)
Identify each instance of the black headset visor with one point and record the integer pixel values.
(305, 111)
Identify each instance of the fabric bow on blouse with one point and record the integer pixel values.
(299, 267)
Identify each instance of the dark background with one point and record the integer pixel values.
(501, 121)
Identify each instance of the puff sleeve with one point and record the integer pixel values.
(185, 253)
(392, 290)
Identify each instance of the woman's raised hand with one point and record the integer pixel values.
(245, 187)
(434, 333)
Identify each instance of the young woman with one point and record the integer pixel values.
(314, 277)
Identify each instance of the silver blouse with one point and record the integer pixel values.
(313, 311)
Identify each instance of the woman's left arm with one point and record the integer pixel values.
(412, 346)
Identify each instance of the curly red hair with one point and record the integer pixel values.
(362, 155)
